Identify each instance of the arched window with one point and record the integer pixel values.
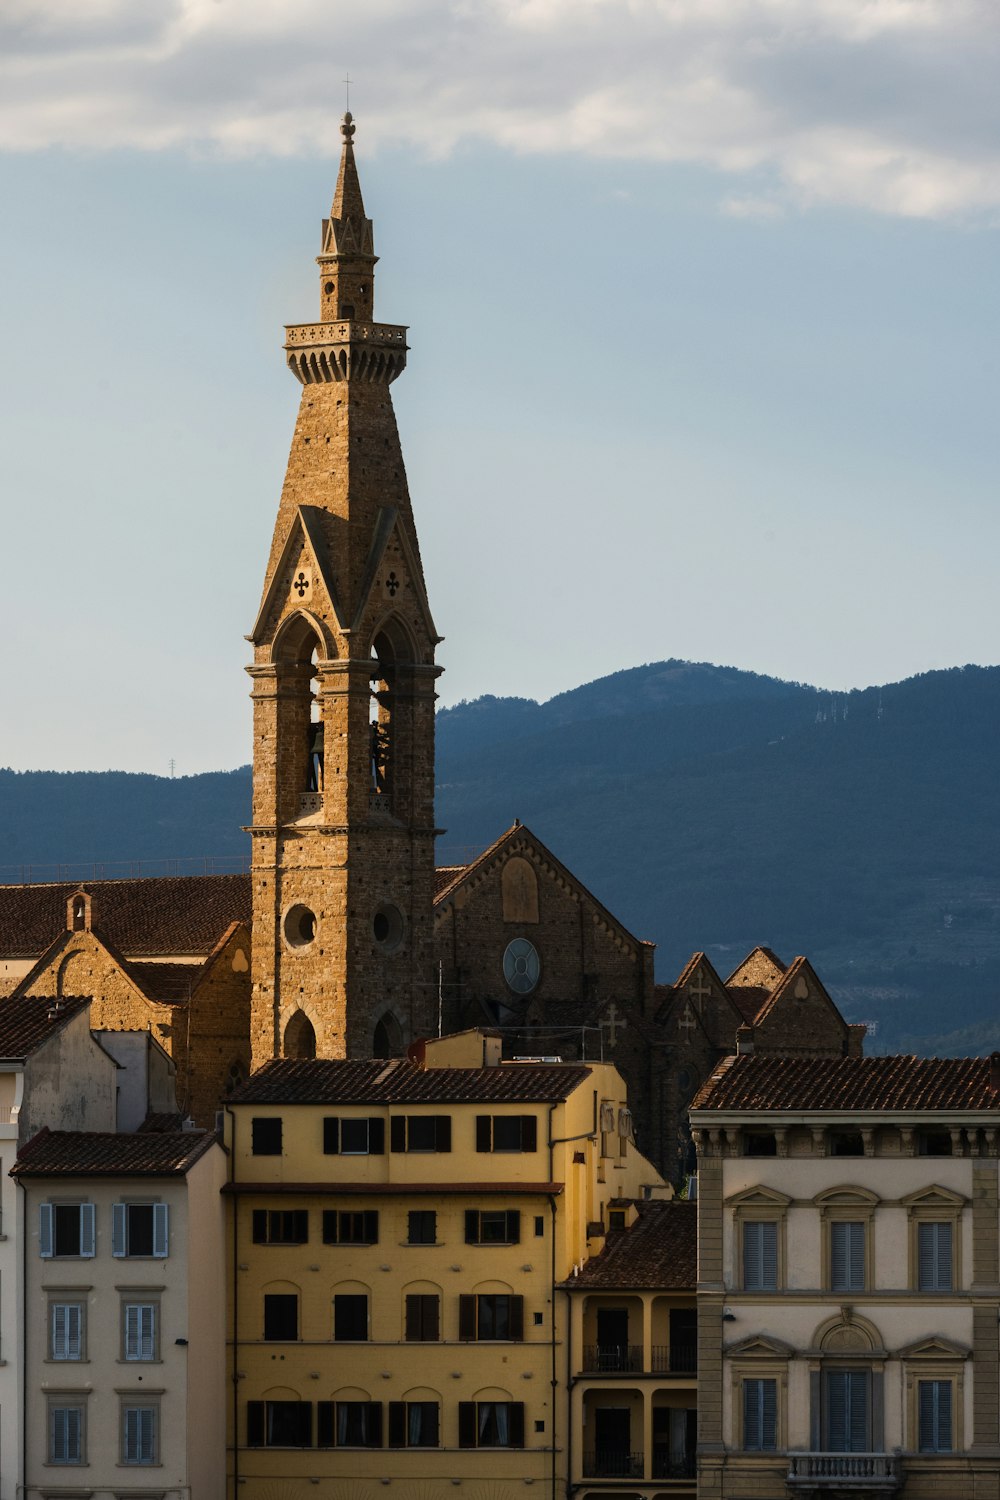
(236, 1076)
(387, 1040)
(300, 1037)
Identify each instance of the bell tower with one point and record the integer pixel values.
(343, 693)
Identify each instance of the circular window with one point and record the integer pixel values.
(328, 288)
(299, 926)
(521, 966)
(387, 927)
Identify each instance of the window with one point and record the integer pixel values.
(760, 1415)
(848, 1411)
(492, 1226)
(539, 1224)
(491, 1424)
(413, 1424)
(280, 1226)
(66, 1433)
(140, 1433)
(934, 1416)
(420, 1132)
(506, 1133)
(281, 1317)
(617, 1218)
(348, 1137)
(350, 1226)
(66, 1229)
(279, 1424)
(421, 1226)
(265, 1135)
(350, 1317)
(846, 1143)
(760, 1143)
(491, 1315)
(139, 1229)
(423, 1317)
(140, 1330)
(760, 1256)
(847, 1255)
(66, 1325)
(934, 1143)
(349, 1424)
(934, 1257)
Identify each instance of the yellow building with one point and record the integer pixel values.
(399, 1232)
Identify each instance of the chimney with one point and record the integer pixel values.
(744, 1041)
(994, 1073)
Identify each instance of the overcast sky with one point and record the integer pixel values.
(703, 310)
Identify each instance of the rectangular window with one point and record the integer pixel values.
(140, 1434)
(281, 1317)
(847, 1255)
(934, 1416)
(66, 1229)
(140, 1333)
(413, 1424)
(760, 1256)
(265, 1135)
(280, 1226)
(350, 1317)
(350, 1226)
(140, 1229)
(760, 1415)
(279, 1424)
(421, 1226)
(506, 1133)
(492, 1226)
(66, 1322)
(343, 1136)
(423, 1317)
(491, 1315)
(491, 1424)
(848, 1413)
(934, 1257)
(66, 1434)
(420, 1133)
(349, 1424)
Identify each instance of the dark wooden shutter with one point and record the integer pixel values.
(432, 1316)
(331, 1136)
(432, 1424)
(443, 1133)
(414, 1332)
(466, 1317)
(376, 1136)
(374, 1424)
(472, 1226)
(517, 1317)
(329, 1226)
(397, 1133)
(516, 1424)
(324, 1424)
(397, 1423)
(529, 1133)
(303, 1424)
(255, 1424)
(300, 1226)
(260, 1226)
(466, 1424)
(513, 1226)
(484, 1133)
(371, 1226)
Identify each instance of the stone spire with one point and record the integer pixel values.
(347, 259)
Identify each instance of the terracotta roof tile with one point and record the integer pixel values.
(84, 1153)
(445, 874)
(758, 1082)
(660, 1250)
(26, 1023)
(402, 1082)
(170, 984)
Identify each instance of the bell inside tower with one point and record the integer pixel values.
(383, 725)
(314, 776)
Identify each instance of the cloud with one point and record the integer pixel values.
(887, 105)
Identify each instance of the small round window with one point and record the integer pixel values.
(299, 926)
(387, 927)
(521, 966)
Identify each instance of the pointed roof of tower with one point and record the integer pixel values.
(348, 229)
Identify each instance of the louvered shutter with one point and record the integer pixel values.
(751, 1257)
(935, 1416)
(67, 1435)
(161, 1230)
(472, 1226)
(466, 1317)
(330, 1226)
(760, 1415)
(119, 1229)
(88, 1232)
(414, 1320)
(934, 1267)
(837, 1409)
(132, 1331)
(397, 1424)
(430, 1434)
(376, 1136)
(847, 1256)
(67, 1330)
(513, 1226)
(397, 1133)
(516, 1418)
(859, 1411)
(484, 1133)
(769, 1414)
(529, 1133)
(466, 1424)
(331, 1136)
(442, 1133)
(255, 1424)
(517, 1317)
(45, 1230)
(751, 1415)
(769, 1257)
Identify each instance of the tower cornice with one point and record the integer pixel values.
(345, 350)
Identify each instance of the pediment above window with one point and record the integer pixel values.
(848, 1195)
(759, 1196)
(935, 1347)
(759, 1346)
(933, 1197)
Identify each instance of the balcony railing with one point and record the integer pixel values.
(624, 1359)
(612, 1359)
(844, 1471)
(612, 1463)
(675, 1359)
(665, 1467)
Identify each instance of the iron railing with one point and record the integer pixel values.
(611, 1359)
(612, 1463)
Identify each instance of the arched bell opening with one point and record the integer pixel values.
(300, 1038)
(383, 725)
(298, 653)
(387, 1039)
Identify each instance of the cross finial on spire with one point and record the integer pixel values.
(347, 97)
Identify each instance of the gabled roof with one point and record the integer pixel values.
(762, 966)
(799, 969)
(157, 915)
(93, 1153)
(759, 1081)
(660, 1250)
(26, 1024)
(400, 1081)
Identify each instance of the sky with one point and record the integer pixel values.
(702, 298)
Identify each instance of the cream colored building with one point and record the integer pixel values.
(849, 1282)
(401, 1231)
(124, 1358)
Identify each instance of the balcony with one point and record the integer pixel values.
(865, 1473)
(665, 1467)
(675, 1359)
(612, 1463)
(613, 1359)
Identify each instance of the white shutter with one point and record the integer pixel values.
(87, 1230)
(161, 1237)
(140, 1330)
(131, 1434)
(45, 1230)
(140, 1435)
(67, 1433)
(119, 1229)
(67, 1330)
(59, 1341)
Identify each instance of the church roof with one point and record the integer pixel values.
(400, 1081)
(759, 1081)
(659, 1250)
(26, 1024)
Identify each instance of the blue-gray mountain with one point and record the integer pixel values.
(709, 808)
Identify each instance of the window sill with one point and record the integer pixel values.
(421, 1244)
